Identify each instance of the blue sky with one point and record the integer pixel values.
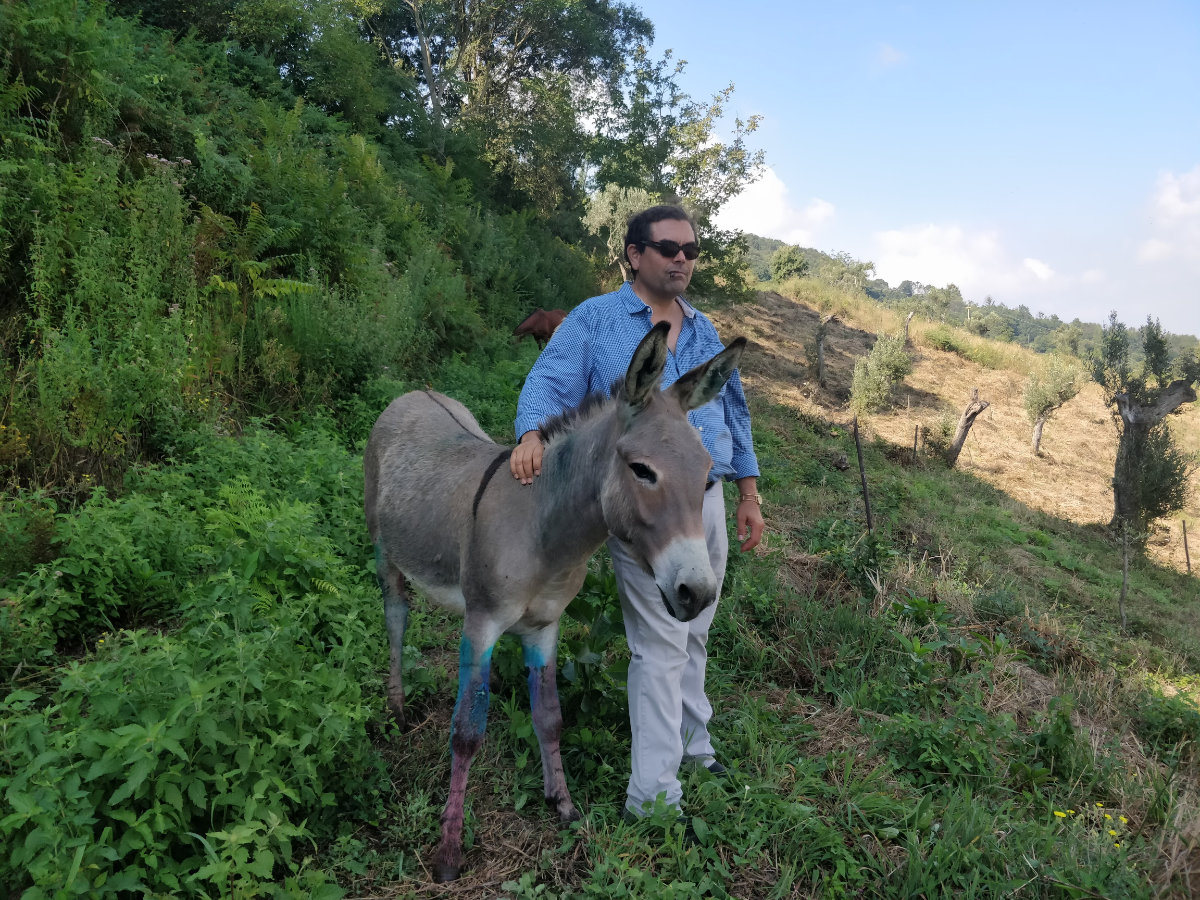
(1045, 154)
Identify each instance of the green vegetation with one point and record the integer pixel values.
(788, 262)
(1045, 392)
(877, 374)
(1152, 473)
(229, 235)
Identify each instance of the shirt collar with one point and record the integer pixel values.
(635, 305)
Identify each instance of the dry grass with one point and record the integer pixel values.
(1071, 480)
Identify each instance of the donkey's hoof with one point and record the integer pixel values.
(566, 813)
(447, 864)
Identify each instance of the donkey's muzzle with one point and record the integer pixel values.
(688, 604)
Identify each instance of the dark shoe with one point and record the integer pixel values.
(713, 767)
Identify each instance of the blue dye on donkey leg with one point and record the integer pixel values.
(466, 736)
(474, 691)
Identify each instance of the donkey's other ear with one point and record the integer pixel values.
(646, 367)
(704, 382)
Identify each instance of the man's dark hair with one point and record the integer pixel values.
(637, 231)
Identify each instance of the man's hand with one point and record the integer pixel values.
(750, 523)
(526, 459)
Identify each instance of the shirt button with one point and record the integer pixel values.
(699, 427)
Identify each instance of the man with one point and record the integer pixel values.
(668, 710)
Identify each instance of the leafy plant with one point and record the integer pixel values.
(876, 374)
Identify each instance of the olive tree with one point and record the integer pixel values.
(1150, 478)
(1046, 391)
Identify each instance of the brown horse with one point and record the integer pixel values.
(510, 557)
(540, 325)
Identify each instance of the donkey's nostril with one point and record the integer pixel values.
(686, 603)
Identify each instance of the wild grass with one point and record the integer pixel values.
(947, 707)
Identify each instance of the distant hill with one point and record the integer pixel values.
(946, 304)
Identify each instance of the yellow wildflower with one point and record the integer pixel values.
(1061, 815)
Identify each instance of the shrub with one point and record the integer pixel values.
(193, 763)
(876, 374)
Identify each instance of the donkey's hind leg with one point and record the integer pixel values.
(395, 616)
(541, 657)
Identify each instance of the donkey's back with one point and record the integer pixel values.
(423, 462)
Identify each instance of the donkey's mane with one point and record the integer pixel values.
(570, 419)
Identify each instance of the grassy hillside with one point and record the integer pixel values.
(220, 261)
(946, 709)
(951, 710)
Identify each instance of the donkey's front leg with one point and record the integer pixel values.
(541, 656)
(466, 737)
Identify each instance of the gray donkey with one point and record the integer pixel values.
(509, 557)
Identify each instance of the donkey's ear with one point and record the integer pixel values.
(646, 367)
(704, 382)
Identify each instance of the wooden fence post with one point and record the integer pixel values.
(862, 473)
(1186, 555)
(1124, 570)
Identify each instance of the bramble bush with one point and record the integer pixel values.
(204, 758)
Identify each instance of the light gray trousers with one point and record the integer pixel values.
(668, 710)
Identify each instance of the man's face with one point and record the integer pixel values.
(663, 276)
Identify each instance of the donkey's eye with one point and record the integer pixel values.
(643, 472)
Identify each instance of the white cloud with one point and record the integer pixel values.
(764, 208)
(1175, 214)
(888, 56)
(1155, 250)
(1040, 270)
(1178, 196)
(939, 255)
(977, 262)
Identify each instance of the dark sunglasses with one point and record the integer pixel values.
(670, 249)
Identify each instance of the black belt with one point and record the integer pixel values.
(709, 485)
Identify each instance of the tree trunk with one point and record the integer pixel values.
(1037, 434)
(821, 327)
(1125, 502)
(974, 408)
(906, 321)
(430, 79)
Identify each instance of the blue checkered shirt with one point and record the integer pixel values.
(592, 348)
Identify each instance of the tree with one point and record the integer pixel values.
(788, 262)
(1151, 473)
(519, 79)
(653, 136)
(608, 211)
(876, 374)
(1046, 392)
(844, 270)
(973, 408)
